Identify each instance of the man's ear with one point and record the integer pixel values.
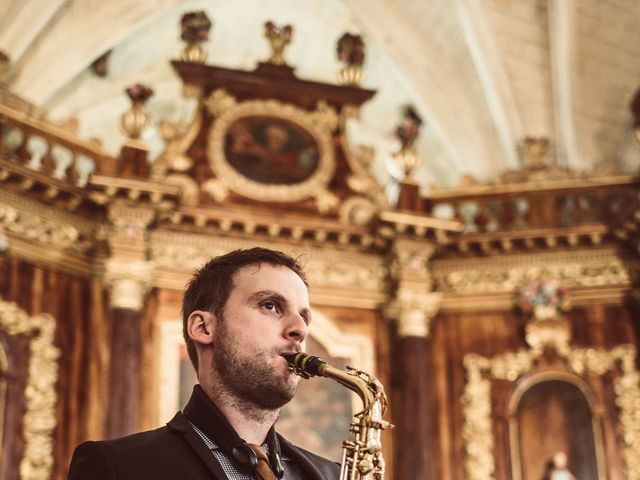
(201, 326)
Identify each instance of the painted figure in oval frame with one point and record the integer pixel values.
(271, 150)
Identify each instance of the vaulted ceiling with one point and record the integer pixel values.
(483, 74)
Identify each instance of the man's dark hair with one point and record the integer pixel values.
(211, 285)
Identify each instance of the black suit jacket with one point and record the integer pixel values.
(173, 452)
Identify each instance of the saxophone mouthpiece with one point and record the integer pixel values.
(305, 365)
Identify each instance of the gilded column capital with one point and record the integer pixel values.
(413, 312)
(128, 283)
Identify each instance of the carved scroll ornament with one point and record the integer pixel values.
(39, 420)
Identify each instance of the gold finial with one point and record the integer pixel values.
(279, 38)
(407, 132)
(135, 120)
(195, 31)
(351, 51)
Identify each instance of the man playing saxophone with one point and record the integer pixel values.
(243, 314)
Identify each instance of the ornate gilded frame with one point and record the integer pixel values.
(39, 420)
(476, 398)
(548, 376)
(319, 123)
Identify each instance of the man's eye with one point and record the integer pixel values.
(271, 306)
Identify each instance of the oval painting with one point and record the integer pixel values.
(271, 150)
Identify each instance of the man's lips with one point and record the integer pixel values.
(288, 355)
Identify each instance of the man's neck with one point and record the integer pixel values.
(249, 421)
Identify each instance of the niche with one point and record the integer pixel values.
(554, 413)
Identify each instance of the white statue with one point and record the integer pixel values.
(559, 471)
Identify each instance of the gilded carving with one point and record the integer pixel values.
(359, 160)
(476, 399)
(357, 211)
(325, 267)
(43, 230)
(318, 123)
(39, 419)
(216, 189)
(504, 274)
(128, 283)
(413, 311)
(129, 226)
(219, 102)
(178, 139)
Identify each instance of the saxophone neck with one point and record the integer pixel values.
(366, 386)
(352, 379)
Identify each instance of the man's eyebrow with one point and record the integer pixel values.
(270, 294)
(264, 294)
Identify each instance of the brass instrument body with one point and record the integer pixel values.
(362, 451)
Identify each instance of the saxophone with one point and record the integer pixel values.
(362, 451)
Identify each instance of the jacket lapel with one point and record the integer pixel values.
(310, 469)
(181, 425)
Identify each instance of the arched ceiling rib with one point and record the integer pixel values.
(86, 30)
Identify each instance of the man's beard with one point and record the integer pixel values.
(249, 379)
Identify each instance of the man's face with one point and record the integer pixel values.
(266, 315)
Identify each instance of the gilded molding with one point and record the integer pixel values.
(505, 274)
(325, 267)
(50, 230)
(39, 419)
(318, 123)
(476, 399)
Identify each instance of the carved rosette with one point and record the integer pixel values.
(39, 419)
(477, 426)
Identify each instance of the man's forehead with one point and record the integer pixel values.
(252, 272)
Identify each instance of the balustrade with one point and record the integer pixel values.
(525, 207)
(48, 149)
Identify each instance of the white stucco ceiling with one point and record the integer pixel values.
(483, 74)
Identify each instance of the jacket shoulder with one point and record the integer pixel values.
(156, 454)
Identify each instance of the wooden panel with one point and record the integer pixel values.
(76, 304)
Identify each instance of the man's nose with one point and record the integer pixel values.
(296, 328)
